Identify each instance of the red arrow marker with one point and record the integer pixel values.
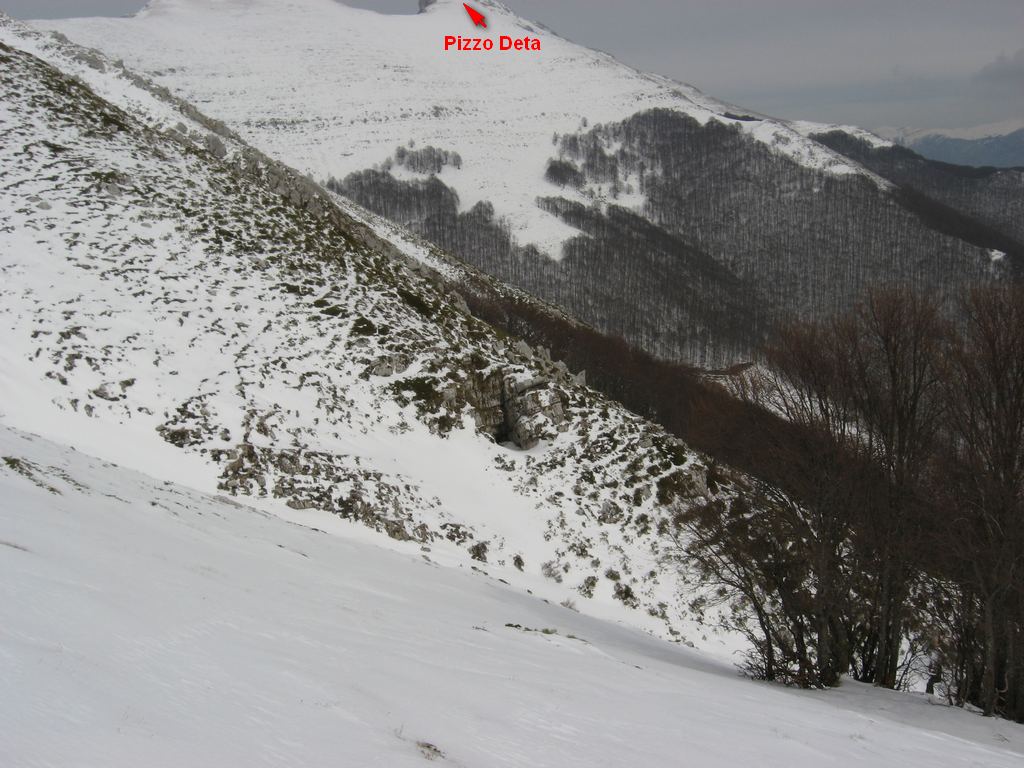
(476, 16)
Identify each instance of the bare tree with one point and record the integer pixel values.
(985, 395)
(895, 346)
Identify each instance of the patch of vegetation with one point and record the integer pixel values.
(363, 327)
(420, 389)
(676, 485)
(625, 593)
(550, 570)
(29, 471)
(564, 173)
(418, 303)
(479, 551)
(587, 587)
(430, 751)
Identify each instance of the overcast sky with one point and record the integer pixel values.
(920, 63)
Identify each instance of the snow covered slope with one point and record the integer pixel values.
(145, 623)
(333, 90)
(185, 306)
(345, 511)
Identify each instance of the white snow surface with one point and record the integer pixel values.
(146, 623)
(331, 90)
(146, 620)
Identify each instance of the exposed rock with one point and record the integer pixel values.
(181, 437)
(521, 411)
(610, 513)
(515, 387)
(389, 365)
(111, 392)
(562, 373)
(484, 395)
(523, 349)
(215, 146)
(457, 533)
(459, 303)
(90, 58)
(532, 408)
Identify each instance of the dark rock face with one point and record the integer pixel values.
(532, 408)
(522, 412)
(731, 237)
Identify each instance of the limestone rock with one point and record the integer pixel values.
(523, 349)
(389, 365)
(215, 146)
(610, 513)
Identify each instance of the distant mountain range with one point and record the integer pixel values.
(999, 145)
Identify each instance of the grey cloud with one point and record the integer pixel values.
(1005, 70)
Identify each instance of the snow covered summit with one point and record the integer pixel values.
(333, 90)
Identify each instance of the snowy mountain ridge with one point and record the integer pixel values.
(650, 211)
(498, 112)
(906, 135)
(193, 310)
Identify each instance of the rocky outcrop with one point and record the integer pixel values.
(520, 411)
(532, 409)
(388, 365)
(215, 146)
(319, 480)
